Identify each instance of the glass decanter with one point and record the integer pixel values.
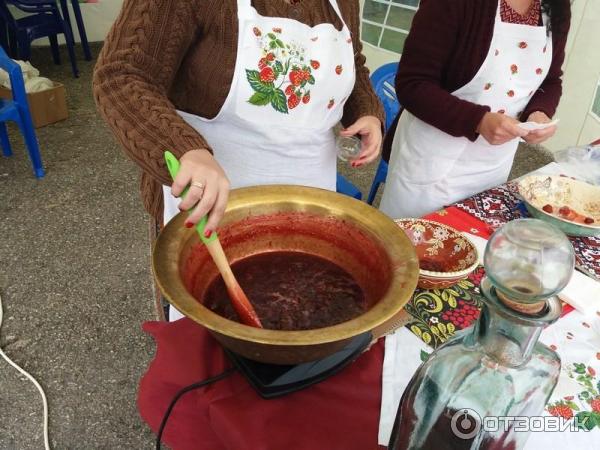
(476, 390)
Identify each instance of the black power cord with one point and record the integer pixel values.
(183, 391)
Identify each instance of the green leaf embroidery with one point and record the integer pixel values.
(272, 36)
(273, 44)
(253, 77)
(260, 99)
(311, 80)
(586, 420)
(278, 101)
(278, 66)
(424, 356)
(572, 405)
(279, 43)
(579, 368)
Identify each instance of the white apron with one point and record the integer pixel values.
(430, 169)
(289, 88)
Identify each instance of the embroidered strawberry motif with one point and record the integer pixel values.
(293, 101)
(591, 371)
(511, 93)
(514, 69)
(595, 404)
(522, 44)
(538, 71)
(497, 52)
(296, 77)
(338, 69)
(569, 398)
(306, 74)
(267, 75)
(262, 63)
(553, 347)
(331, 103)
(561, 411)
(487, 86)
(306, 98)
(276, 30)
(256, 32)
(270, 57)
(315, 64)
(289, 90)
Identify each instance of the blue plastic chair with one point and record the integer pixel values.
(17, 110)
(383, 81)
(44, 20)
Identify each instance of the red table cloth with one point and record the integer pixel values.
(339, 413)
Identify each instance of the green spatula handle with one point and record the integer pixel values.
(173, 166)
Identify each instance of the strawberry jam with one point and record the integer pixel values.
(291, 291)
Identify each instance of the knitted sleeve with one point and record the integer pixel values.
(137, 65)
(363, 101)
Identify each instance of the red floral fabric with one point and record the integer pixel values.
(532, 17)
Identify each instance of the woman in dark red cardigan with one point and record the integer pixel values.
(471, 72)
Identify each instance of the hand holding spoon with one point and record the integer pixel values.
(239, 300)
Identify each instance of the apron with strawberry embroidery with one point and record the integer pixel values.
(430, 169)
(289, 88)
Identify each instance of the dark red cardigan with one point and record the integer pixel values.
(448, 42)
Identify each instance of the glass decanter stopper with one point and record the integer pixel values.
(477, 387)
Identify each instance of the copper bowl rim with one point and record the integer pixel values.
(442, 276)
(399, 248)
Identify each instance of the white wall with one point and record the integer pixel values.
(581, 74)
(98, 18)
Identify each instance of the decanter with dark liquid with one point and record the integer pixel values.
(475, 389)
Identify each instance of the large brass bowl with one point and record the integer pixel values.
(345, 231)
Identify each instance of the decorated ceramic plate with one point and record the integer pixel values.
(569, 204)
(446, 256)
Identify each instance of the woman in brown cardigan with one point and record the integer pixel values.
(243, 92)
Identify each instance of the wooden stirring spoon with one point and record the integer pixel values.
(238, 298)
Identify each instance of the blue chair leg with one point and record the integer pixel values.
(24, 47)
(71, 48)
(55, 50)
(380, 177)
(82, 34)
(4, 140)
(31, 142)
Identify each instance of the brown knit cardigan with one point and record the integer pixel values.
(163, 55)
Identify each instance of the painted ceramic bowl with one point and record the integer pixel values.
(445, 255)
(572, 206)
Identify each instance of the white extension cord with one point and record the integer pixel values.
(36, 384)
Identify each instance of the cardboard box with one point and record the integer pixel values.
(46, 107)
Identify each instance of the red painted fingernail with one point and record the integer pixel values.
(189, 224)
(207, 234)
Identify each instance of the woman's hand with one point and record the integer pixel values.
(209, 188)
(369, 129)
(539, 136)
(499, 128)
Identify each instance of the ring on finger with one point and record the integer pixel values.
(198, 184)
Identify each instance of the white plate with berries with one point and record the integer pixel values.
(570, 204)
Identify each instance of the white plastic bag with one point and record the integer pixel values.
(31, 77)
(583, 162)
